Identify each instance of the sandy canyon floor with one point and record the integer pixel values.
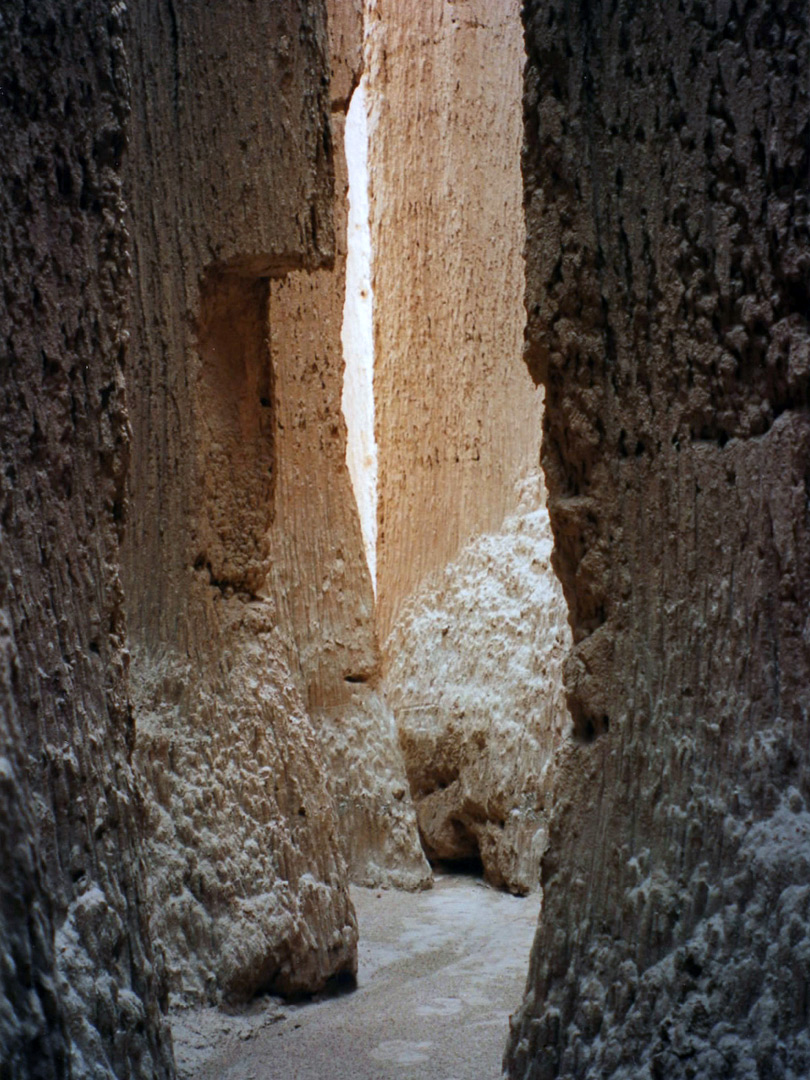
(440, 972)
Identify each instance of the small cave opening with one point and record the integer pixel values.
(468, 866)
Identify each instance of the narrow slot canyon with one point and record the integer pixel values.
(404, 540)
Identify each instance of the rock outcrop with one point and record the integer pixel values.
(475, 682)
(79, 994)
(458, 421)
(246, 879)
(458, 427)
(318, 574)
(668, 259)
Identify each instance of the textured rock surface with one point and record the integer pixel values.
(321, 585)
(666, 171)
(78, 993)
(475, 681)
(246, 878)
(457, 418)
(318, 572)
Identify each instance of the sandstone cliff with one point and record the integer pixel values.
(457, 418)
(246, 878)
(666, 170)
(458, 425)
(78, 991)
(318, 575)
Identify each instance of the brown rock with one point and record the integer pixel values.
(248, 886)
(79, 994)
(666, 177)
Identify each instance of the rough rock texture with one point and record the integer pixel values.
(246, 879)
(321, 585)
(457, 419)
(78, 992)
(318, 573)
(475, 681)
(666, 171)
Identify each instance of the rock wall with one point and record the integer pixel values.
(79, 995)
(475, 682)
(457, 419)
(666, 170)
(230, 186)
(318, 575)
(458, 432)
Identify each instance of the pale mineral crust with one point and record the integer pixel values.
(475, 682)
(230, 185)
(666, 169)
(79, 995)
(458, 421)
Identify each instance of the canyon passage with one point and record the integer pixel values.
(405, 464)
(439, 973)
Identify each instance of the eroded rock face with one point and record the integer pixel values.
(456, 416)
(457, 424)
(666, 171)
(475, 681)
(246, 878)
(79, 994)
(318, 575)
(320, 581)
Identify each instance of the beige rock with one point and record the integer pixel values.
(472, 670)
(458, 421)
(319, 577)
(245, 876)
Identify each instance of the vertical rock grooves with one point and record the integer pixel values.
(457, 417)
(230, 184)
(666, 196)
(473, 673)
(78, 992)
(319, 578)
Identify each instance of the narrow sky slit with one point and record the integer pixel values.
(357, 335)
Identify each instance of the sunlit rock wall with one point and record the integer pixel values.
(78, 991)
(230, 185)
(319, 576)
(666, 170)
(457, 417)
(475, 681)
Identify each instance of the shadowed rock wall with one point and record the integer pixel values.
(78, 992)
(457, 419)
(666, 171)
(231, 185)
